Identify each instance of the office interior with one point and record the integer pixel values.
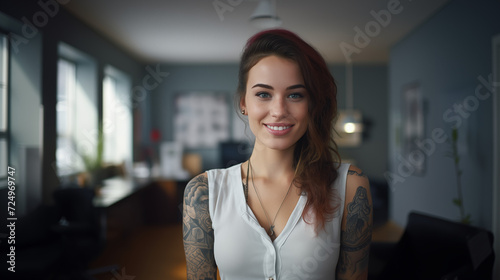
(136, 130)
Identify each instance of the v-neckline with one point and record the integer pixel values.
(248, 210)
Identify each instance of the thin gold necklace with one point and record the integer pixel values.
(271, 232)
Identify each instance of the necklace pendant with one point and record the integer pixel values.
(271, 231)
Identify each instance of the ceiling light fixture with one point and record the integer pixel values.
(349, 124)
(352, 121)
(264, 16)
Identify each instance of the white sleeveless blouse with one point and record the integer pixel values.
(244, 251)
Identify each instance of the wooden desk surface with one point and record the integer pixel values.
(116, 189)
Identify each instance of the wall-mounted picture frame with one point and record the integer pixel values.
(202, 119)
(413, 127)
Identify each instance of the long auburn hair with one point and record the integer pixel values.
(316, 158)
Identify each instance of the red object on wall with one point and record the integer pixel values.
(155, 135)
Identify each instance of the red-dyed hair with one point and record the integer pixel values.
(316, 157)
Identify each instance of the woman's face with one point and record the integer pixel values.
(276, 102)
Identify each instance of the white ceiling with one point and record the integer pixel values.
(191, 31)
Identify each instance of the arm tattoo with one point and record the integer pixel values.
(356, 237)
(353, 172)
(198, 233)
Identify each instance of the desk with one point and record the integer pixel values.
(117, 188)
(129, 204)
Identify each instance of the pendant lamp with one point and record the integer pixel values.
(264, 16)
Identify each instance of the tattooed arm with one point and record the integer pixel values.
(356, 228)
(197, 231)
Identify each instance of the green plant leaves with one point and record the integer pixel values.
(457, 202)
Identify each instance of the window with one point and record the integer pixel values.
(117, 117)
(77, 119)
(4, 107)
(66, 116)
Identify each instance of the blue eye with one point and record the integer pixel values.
(295, 96)
(263, 94)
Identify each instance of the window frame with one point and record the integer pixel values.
(84, 128)
(6, 86)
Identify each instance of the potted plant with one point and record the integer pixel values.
(459, 201)
(93, 162)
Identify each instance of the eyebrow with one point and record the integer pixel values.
(270, 87)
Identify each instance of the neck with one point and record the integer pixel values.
(272, 164)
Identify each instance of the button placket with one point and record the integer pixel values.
(270, 268)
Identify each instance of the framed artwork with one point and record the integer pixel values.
(202, 119)
(413, 127)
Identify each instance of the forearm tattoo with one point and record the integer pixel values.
(356, 237)
(197, 229)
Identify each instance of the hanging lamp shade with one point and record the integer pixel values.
(349, 121)
(352, 118)
(349, 124)
(264, 16)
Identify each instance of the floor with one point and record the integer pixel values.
(157, 253)
(150, 253)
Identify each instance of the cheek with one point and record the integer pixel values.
(302, 113)
(255, 110)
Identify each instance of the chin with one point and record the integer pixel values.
(276, 145)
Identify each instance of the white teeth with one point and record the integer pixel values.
(278, 127)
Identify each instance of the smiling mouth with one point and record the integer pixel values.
(278, 128)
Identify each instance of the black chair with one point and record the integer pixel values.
(82, 230)
(434, 248)
(38, 251)
(380, 199)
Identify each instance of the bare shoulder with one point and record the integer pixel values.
(198, 183)
(201, 178)
(356, 171)
(196, 191)
(356, 181)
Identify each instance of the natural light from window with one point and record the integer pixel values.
(77, 119)
(4, 137)
(117, 117)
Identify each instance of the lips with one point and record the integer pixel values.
(278, 129)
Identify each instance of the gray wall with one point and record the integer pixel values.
(370, 97)
(446, 55)
(192, 77)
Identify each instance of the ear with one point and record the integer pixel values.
(242, 104)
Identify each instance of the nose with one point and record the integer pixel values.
(279, 108)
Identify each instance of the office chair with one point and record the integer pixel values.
(433, 248)
(82, 229)
(38, 251)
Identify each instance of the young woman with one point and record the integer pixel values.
(292, 211)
